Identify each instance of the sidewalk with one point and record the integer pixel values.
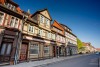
(43, 62)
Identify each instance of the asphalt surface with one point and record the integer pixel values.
(83, 61)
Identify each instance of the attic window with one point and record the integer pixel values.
(41, 19)
(10, 6)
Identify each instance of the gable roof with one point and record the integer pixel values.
(57, 25)
(67, 30)
(12, 2)
(65, 26)
(42, 11)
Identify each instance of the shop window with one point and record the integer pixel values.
(5, 49)
(46, 49)
(34, 49)
(8, 49)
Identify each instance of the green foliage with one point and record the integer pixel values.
(80, 44)
(82, 49)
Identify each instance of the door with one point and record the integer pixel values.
(5, 52)
(23, 52)
(54, 51)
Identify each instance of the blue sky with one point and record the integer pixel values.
(82, 16)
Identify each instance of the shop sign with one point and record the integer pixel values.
(31, 38)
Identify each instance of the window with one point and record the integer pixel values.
(3, 49)
(47, 22)
(61, 38)
(8, 49)
(1, 17)
(40, 32)
(46, 49)
(34, 49)
(31, 29)
(44, 33)
(53, 36)
(10, 6)
(41, 19)
(48, 35)
(14, 22)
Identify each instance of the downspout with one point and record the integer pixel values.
(19, 41)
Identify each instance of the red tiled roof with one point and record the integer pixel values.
(98, 49)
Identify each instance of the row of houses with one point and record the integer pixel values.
(88, 48)
(25, 36)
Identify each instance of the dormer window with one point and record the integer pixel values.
(41, 19)
(10, 6)
(1, 17)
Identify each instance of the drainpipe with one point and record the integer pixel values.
(24, 19)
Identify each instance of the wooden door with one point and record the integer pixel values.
(54, 51)
(24, 52)
(5, 52)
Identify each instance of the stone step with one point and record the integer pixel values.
(4, 63)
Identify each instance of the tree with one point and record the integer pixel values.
(80, 45)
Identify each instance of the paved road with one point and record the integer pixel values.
(83, 61)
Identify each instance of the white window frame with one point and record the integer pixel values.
(41, 19)
(10, 6)
(14, 25)
(53, 36)
(46, 48)
(2, 17)
(13, 22)
(47, 22)
(31, 29)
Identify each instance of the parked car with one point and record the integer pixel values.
(97, 53)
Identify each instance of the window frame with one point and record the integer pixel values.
(31, 29)
(47, 22)
(36, 48)
(41, 19)
(47, 48)
(14, 22)
(1, 22)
